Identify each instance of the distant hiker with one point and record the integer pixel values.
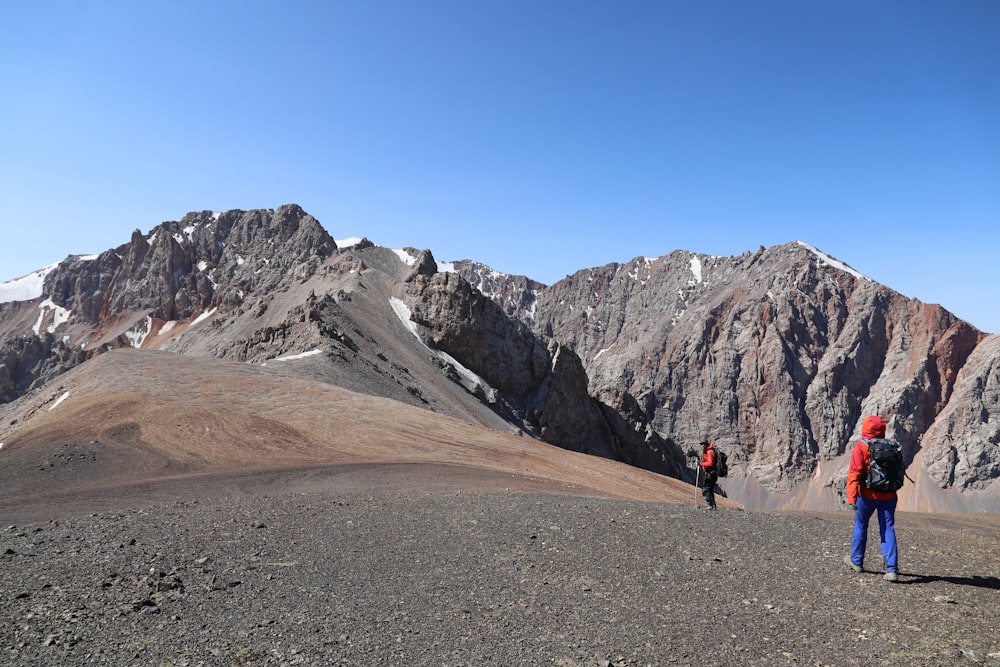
(709, 459)
(866, 501)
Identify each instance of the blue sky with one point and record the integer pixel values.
(540, 137)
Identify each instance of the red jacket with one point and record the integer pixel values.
(871, 427)
(708, 459)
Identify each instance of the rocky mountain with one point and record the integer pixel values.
(776, 355)
(271, 287)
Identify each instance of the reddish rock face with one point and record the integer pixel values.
(962, 445)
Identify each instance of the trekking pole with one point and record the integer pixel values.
(697, 477)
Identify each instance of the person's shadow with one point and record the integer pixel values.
(979, 582)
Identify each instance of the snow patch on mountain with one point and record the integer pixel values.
(641, 263)
(59, 316)
(835, 263)
(31, 286)
(204, 316)
(348, 242)
(59, 400)
(406, 257)
(696, 270)
(139, 332)
(26, 287)
(301, 355)
(405, 316)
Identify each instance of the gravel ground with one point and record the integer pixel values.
(448, 579)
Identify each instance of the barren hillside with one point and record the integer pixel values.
(132, 425)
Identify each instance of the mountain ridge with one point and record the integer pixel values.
(775, 354)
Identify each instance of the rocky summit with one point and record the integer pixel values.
(776, 355)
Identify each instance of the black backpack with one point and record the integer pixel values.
(721, 463)
(885, 469)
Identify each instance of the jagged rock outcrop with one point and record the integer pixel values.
(30, 361)
(516, 295)
(538, 382)
(963, 443)
(182, 268)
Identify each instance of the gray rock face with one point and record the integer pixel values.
(963, 443)
(30, 361)
(540, 382)
(182, 268)
(777, 355)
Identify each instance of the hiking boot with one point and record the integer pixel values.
(855, 568)
(891, 576)
(710, 507)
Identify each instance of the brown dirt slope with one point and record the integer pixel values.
(133, 425)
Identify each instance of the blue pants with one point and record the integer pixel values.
(886, 529)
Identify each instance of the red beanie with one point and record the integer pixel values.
(873, 427)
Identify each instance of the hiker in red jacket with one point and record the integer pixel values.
(708, 463)
(866, 502)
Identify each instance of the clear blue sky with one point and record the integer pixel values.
(540, 137)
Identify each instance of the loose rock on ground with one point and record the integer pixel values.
(449, 579)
